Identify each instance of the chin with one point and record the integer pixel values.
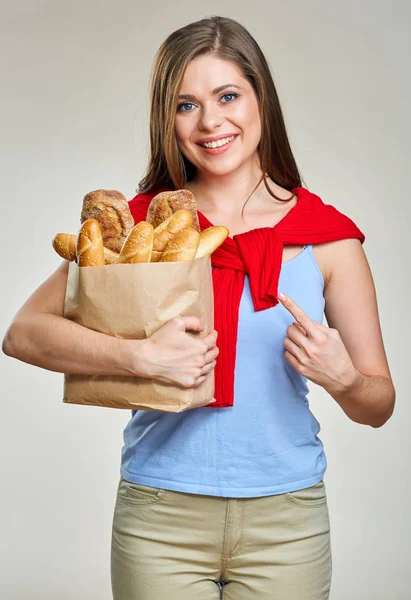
(220, 172)
(221, 168)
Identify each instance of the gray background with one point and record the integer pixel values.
(74, 118)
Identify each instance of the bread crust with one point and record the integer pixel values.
(65, 246)
(183, 246)
(168, 229)
(110, 257)
(89, 245)
(110, 208)
(211, 239)
(138, 246)
(165, 204)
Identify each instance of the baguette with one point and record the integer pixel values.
(168, 229)
(210, 239)
(183, 246)
(165, 204)
(112, 211)
(89, 245)
(110, 257)
(138, 246)
(65, 246)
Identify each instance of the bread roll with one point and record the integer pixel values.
(165, 204)
(110, 257)
(65, 245)
(138, 246)
(210, 239)
(89, 245)
(183, 246)
(111, 210)
(168, 229)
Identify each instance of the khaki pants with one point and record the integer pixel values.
(177, 546)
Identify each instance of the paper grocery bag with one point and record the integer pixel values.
(131, 301)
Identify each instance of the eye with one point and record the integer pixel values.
(231, 96)
(183, 107)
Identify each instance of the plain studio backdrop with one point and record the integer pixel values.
(74, 111)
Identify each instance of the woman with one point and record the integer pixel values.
(231, 496)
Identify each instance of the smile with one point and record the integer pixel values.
(218, 143)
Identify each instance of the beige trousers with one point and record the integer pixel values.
(177, 546)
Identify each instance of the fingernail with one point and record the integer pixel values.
(282, 296)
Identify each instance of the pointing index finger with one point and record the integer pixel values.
(298, 313)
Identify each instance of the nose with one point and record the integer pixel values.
(210, 118)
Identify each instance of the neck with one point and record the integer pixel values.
(226, 193)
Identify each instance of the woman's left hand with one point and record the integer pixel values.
(318, 352)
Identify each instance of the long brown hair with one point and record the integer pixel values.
(224, 38)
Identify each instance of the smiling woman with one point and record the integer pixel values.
(251, 464)
(232, 493)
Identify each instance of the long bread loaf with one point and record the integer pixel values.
(168, 229)
(89, 246)
(183, 246)
(138, 246)
(65, 245)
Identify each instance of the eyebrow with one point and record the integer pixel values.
(215, 91)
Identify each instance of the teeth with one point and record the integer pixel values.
(218, 143)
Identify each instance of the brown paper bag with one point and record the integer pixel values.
(131, 301)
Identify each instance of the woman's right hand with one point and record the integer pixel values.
(175, 357)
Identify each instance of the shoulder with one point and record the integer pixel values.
(326, 217)
(338, 257)
(339, 238)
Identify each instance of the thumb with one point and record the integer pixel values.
(192, 324)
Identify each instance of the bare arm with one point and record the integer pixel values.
(41, 336)
(347, 358)
(351, 308)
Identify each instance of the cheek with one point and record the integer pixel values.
(247, 117)
(183, 129)
(180, 131)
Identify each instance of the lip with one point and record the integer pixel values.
(219, 149)
(215, 138)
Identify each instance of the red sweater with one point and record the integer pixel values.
(257, 253)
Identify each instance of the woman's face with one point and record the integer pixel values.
(217, 106)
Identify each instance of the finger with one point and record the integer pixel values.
(211, 355)
(294, 362)
(208, 368)
(298, 313)
(296, 335)
(191, 324)
(199, 381)
(300, 327)
(210, 340)
(294, 349)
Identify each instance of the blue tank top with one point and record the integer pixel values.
(267, 442)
